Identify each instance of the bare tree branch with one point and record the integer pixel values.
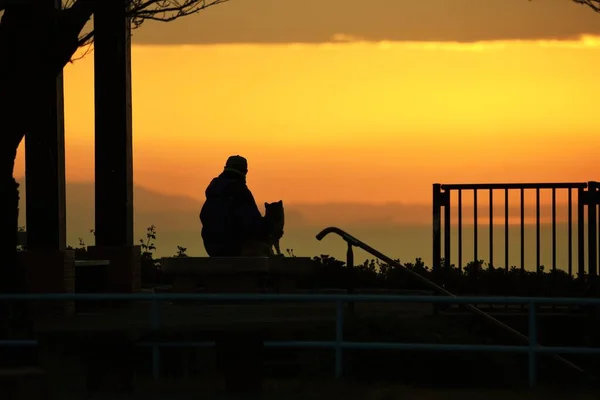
(167, 10)
(86, 39)
(593, 4)
(140, 10)
(155, 10)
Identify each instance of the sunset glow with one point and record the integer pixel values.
(360, 121)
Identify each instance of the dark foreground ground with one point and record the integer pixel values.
(192, 373)
(296, 390)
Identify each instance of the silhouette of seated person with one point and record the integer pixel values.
(230, 216)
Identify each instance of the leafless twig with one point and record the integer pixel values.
(155, 10)
(89, 48)
(167, 10)
(140, 11)
(593, 4)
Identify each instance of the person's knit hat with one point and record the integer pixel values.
(237, 164)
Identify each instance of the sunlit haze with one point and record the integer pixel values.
(356, 122)
(353, 122)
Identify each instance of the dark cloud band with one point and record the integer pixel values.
(316, 21)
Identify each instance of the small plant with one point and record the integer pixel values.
(80, 251)
(150, 267)
(148, 245)
(181, 252)
(20, 247)
(475, 278)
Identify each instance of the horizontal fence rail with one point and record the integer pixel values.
(338, 345)
(579, 196)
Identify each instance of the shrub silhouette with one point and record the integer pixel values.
(476, 278)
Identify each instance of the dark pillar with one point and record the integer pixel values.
(113, 148)
(45, 167)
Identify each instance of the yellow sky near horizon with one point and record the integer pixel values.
(351, 122)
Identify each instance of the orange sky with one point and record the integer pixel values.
(352, 122)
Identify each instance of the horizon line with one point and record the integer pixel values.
(465, 203)
(585, 39)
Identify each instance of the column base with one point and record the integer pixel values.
(124, 272)
(49, 271)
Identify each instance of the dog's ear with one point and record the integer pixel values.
(280, 202)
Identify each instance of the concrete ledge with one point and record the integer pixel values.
(236, 274)
(285, 272)
(198, 266)
(291, 265)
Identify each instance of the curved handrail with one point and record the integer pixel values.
(362, 245)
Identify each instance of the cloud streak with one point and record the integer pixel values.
(316, 21)
(580, 42)
(340, 40)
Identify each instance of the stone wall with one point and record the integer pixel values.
(49, 271)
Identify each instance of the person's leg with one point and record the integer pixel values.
(225, 253)
(225, 250)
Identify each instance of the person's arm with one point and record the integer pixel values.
(249, 214)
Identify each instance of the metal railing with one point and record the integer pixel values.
(339, 344)
(354, 242)
(588, 195)
(593, 203)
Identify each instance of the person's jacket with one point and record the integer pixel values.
(229, 215)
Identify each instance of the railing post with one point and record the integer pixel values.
(339, 338)
(506, 230)
(437, 226)
(596, 201)
(447, 233)
(351, 273)
(460, 229)
(592, 254)
(522, 229)
(475, 228)
(581, 197)
(491, 238)
(532, 345)
(553, 231)
(537, 233)
(570, 232)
